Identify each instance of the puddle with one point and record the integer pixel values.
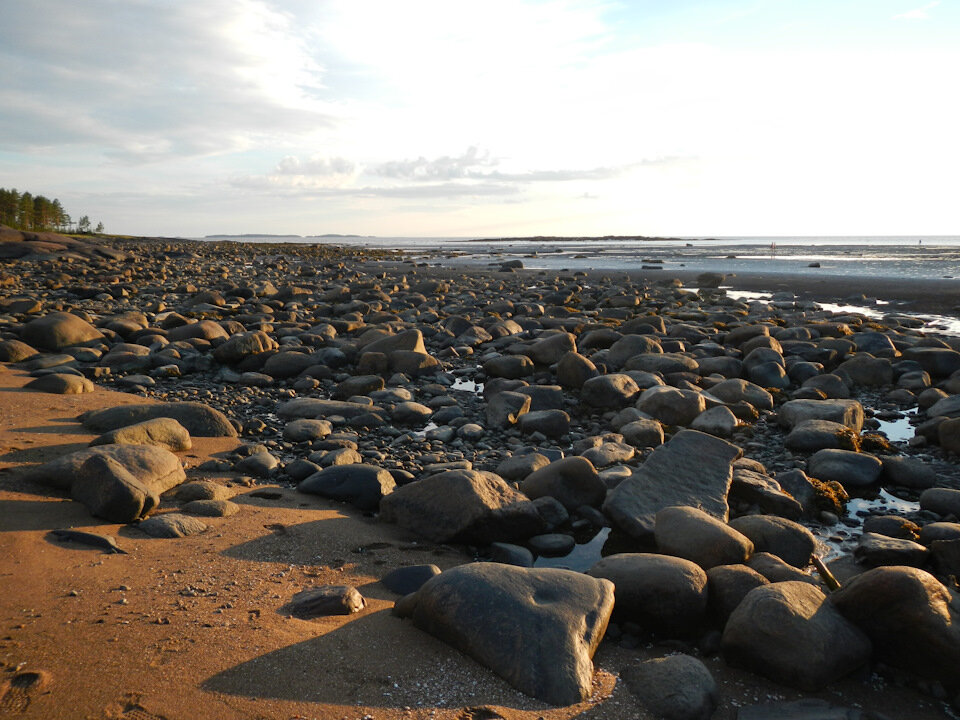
(899, 430)
(422, 432)
(467, 386)
(838, 540)
(583, 556)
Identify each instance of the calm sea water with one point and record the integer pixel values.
(900, 257)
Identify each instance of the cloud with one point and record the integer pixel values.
(477, 165)
(442, 168)
(316, 165)
(920, 13)
(150, 81)
(305, 186)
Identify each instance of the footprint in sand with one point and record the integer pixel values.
(17, 692)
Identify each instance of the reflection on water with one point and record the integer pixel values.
(898, 430)
(838, 540)
(581, 558)
(467, 385)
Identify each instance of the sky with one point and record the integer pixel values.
(446, 118)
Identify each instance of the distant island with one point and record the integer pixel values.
(559, 238)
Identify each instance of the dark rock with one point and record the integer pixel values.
(172, 525)
(692, 469)
(665, 595)
(166, 433)
(538, 629)
(60, 384)
(110, 491)
(907, 614)
(728, 585)
(788, 540)
(875, 550)
(676, 687)
(200, 420)
(326, 600)
(462, 506)
(693, 534)
(845, 412)
(155, 468)
(59, 330)
(405, 580)
(850, 469)
(211, 508)
(790, 633)
(573, 481)
(362, 485)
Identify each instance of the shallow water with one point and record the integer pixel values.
(465, 385)
(858, 509)
(581, 558)
(899, 430)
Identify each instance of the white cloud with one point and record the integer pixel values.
(316, 165)
(148, 81)
(920, 13)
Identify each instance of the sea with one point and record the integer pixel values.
(919, 257)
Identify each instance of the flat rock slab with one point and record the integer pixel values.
(693, 469)
(538, 629)
(200, 420)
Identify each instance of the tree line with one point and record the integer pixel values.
(25, 211)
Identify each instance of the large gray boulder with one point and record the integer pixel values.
(676, 687)
(665, 595)
(573, 481)
(60, 384)
(200, 420)
(316, 408)
(155, 468)
(109, 491)
(538, 629)
(728, 585)
(737, 390)
(908, 615)
(693, 469)
(164, 432)
(463, 506)
(630, 345)
(813, 435)
(670, 405)
(692, 534)
(550, 347)
(59, 330)
(845, 412)
(606, 391)
(790, 633)
(850, 469)
(788, 540)
(359, 484)
(243, 345)
(943, 501)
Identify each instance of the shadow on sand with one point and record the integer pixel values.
(376, 660)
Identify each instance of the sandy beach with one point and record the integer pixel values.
(201, 626)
